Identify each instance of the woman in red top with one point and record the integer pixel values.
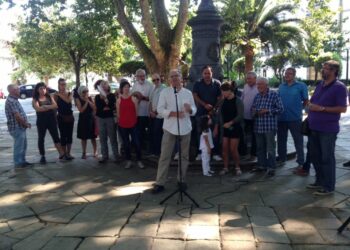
(127, 118)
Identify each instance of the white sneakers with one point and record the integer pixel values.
(217, 158)
(128, 164)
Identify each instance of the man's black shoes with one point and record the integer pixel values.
(157, 189)
(346, 164)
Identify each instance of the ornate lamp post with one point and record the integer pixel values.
(206, 40)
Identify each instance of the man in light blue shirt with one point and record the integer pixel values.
(294, 96)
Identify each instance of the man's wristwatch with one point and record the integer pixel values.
(323, 109)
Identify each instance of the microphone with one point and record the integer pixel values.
(174, 90)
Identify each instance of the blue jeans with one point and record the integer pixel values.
(266, 149)
(20, 146)
(322, 148)
(126, 133)
(282, 135)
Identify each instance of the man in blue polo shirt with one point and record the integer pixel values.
(326, 104)
(294, 97)
(207, 93)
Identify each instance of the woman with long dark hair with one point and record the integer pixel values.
(127, 119)
(65, 118)
(231, 116)
(45, 107)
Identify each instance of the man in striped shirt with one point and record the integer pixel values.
(267, 105)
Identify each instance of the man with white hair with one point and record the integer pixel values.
(17, 123)
(267, 105)
(167, 109)
(249, 92)
(142, 90)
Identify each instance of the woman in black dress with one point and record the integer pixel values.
(65, 118)
(231, 116)
(86, 122)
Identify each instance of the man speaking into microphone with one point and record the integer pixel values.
(167, 109)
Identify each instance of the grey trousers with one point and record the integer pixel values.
(168, 143)
(107, 129)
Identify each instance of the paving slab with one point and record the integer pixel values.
(199, 232)
(63, 215)
(205, 219)
(24, 232)
(238, 245)
(39, 239)
(319, 247)
(271, 235)
(333, 237)
(135, 243)
(10, 211)
(172, 231)
(161, 244)
(100, 243)
(4, 228)
(236, 234)
(6, 243)
(59, 243)
(234, 219)
(261, 211)
(261, 221)
(273, 246)
(103, 218)
(145, 218)
(202, 245)
(140, 230)
(305, 236)
(16, 224)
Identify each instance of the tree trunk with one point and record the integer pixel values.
(77, 68)
(162, 50)
(76, 59)
(249, 58)
(46, 80)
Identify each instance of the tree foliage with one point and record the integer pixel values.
(68, 34)
(323, 34)
(255, 24)
(160, 48)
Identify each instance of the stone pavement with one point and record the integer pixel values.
(76, 205)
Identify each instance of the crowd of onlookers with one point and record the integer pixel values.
(218, 120)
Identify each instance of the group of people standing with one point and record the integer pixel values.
(215, 117)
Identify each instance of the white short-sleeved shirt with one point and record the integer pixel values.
(202, 144)
(145, 89)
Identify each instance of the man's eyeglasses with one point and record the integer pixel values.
(85, 91)
(155, 79)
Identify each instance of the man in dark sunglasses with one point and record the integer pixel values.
(156, 120)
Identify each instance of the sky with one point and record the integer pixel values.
(10, 16)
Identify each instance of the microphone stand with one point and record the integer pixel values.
(343, 226)
(181, 184)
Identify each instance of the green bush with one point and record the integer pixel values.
(130, 67)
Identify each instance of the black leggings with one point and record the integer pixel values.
(66, 131)
(46, 122)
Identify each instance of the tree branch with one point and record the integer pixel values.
(148, 26)
(181, 23)
(132, 33)
(162, 22)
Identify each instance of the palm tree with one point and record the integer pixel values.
(255, 24)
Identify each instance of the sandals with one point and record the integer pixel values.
(223, 171)
(238, 171)
(83, 156)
